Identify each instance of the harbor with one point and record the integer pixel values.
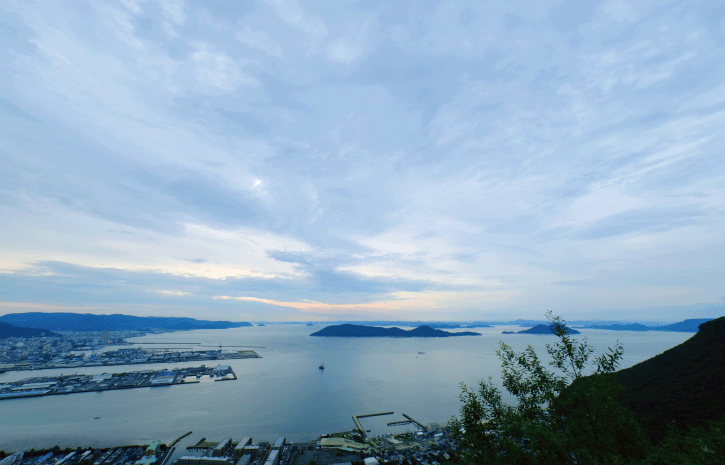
(125, 356)
(48, 386)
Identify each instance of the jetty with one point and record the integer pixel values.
(359, 425)
(179, 439)
(408, 421)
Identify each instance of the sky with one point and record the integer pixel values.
(360, 160)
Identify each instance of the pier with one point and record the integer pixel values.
(179, 438)
(359, 425)
(408, 421)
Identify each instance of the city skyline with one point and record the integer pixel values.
(271, 160)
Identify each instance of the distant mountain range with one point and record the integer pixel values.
(8, 330)
(687, 326)
(116, 322)
(348, 330)
(541, 329)
(683, 386)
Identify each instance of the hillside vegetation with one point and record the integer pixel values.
(666, 410)
(683, 386)
(8, 330)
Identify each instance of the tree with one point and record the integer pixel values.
(699, 446)
(562, 416)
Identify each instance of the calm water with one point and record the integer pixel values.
(284, 392)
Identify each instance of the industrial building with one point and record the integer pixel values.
(279, 443)
(343, 444)
(146, 460)
(152, 449)
(273, 458)
(196, 460)
(252, 450)
(164, 377)
(239, 450)
(222, 448)
(245, 460)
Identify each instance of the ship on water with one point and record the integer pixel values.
(322, 366)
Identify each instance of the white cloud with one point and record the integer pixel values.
(173, 293)
(259, 40)
(620, 10)
(344, 51)
(292, 13)
(218, 70)
(174, 10)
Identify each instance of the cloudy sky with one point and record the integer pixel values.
(295, 160)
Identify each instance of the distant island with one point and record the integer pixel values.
(348, 330)
(8, 330)
(415, 324)
(76, 322)
(541, 329)
(622, 327)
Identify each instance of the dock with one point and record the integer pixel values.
(359, 425)
(409, 420)
(140, 356)
(180, 438)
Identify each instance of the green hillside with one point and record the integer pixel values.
(684, 386)
(8, 330)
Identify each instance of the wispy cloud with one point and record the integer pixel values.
(173, 293)
(465, 157)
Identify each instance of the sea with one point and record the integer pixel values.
(285, 392)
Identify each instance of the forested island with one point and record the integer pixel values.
(348, 330)
(541, 329)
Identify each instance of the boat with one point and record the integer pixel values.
(421, 353)
(322, 366)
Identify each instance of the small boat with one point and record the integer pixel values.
(421, 353)
(96, 418)
(322, 366)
